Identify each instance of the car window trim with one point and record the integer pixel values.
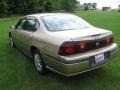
(32, 18)
(19, 23)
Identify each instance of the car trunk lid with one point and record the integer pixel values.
(83, 34)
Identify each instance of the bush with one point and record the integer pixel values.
(86, 8)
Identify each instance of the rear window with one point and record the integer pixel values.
(64, 22)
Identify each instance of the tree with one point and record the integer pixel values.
(68, 5)
(41, 5)
(94, 5)
(10, 7)
(90, 6)
(3, 9)
(33, 6)
(77, 3)
(13, 6)
(56, 4)
(48, 6)
(86, 8)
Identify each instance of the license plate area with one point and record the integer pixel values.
(99, 59)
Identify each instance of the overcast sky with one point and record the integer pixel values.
(101, 3)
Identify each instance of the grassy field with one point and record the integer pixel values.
(17, 72)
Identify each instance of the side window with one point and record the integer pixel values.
(20, 24)
(29, 25)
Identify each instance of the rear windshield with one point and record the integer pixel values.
(64, 22)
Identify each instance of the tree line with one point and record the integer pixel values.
(90, 6)
(11, 7)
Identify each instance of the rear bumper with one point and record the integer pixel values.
(72, 65)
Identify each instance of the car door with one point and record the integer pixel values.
(16, 33)
(28, 29)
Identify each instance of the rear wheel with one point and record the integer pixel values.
(11, 41)
(38, 62)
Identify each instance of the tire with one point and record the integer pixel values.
(38, 62)
(11, 42)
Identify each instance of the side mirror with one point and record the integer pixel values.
(13, 27)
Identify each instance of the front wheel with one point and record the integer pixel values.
(11, 42)
(38, 62)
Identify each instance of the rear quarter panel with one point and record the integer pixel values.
(47, 43)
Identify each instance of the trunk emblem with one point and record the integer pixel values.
(97, 44)
(96, 37)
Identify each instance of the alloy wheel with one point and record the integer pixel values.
(37, 62)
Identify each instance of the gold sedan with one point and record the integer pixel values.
(64, 43)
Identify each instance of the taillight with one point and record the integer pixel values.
(70, 48)
(67, 48)
(75, 47)
(110, 40)
(82, 47)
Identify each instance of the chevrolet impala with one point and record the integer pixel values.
(62, 42)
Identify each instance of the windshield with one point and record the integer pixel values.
(64, 22)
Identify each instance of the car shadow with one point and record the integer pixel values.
(90, 74)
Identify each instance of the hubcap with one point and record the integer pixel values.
(11, 41)
(37, 61)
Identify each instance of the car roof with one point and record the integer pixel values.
(46, 14)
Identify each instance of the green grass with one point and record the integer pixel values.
(17, 71)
